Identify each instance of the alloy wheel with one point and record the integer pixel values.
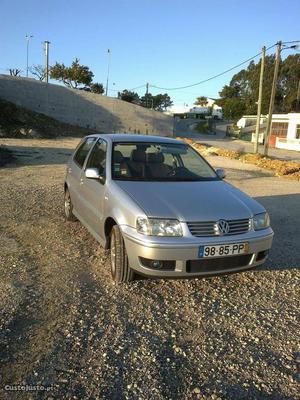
(113, 255)
(67, 204)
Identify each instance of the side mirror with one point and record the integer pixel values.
(92, 173)
(221, 173)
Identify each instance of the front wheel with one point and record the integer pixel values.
(68, 207)
(120, 270)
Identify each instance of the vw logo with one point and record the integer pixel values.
(223, 227)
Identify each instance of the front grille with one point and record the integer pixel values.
(217, 264)
(210, 228)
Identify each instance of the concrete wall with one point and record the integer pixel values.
(288, 144)
(77, 107)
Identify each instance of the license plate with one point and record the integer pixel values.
(223, 250)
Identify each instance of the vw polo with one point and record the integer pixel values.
(162, 210)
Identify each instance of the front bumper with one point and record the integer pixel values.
(185, 249)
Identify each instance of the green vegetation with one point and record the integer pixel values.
(129, 96)
(201, 101)
(240, 96)
(76, 76)
(95, 88)
(73, 76)
(202, 127)
(159, 102)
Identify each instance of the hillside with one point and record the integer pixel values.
(83, 109)
(16, 121)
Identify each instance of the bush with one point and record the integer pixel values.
(202, 127)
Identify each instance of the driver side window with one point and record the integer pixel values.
(83, 151)
(97, 158)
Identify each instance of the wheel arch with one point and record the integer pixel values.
(109, 223)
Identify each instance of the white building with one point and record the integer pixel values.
(285, 129)
(184, 111)
(178, 109)
(249, 120)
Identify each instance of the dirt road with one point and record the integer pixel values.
(64, 325)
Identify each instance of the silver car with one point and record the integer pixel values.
(162, 210)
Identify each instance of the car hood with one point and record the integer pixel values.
(191, 201)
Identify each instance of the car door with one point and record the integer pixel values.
(92, 191)
(74, 170)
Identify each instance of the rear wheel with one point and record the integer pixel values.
(68, 207)
(120, 270)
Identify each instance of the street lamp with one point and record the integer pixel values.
(108, 66)
(28, 37)
(46, 44)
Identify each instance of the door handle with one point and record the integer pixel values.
(81, 181)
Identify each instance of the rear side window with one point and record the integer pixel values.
(83, 151)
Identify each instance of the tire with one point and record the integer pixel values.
(120, 270)
(68, 207)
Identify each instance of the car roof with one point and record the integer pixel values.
(124, 137)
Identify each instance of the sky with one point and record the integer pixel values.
(168, 43)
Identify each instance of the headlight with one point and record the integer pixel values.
(261, 221)
(158, 227)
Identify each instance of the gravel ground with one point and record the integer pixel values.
(64, 325)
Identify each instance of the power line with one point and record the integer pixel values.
(138, 87)
(215, 76)
(206, 80)
(130, 90)
(293, 41)
(190, 93)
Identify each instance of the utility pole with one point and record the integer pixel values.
(108, 67)
(272, 99)
(147, 91)
(261, 79)
(28, 37)
(46, 42)
(298, 98)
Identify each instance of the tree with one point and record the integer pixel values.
(241, 95)
(73, 76)
(97, 88)
(201, 101)
(147, 100)
(14, 72)
(234, 108)
(289, 77)
(160, 102)
(39, 71)
(129, 96)
(229, 91)
(231, 102)
(93, 88)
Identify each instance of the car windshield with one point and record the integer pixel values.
(142, 161)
